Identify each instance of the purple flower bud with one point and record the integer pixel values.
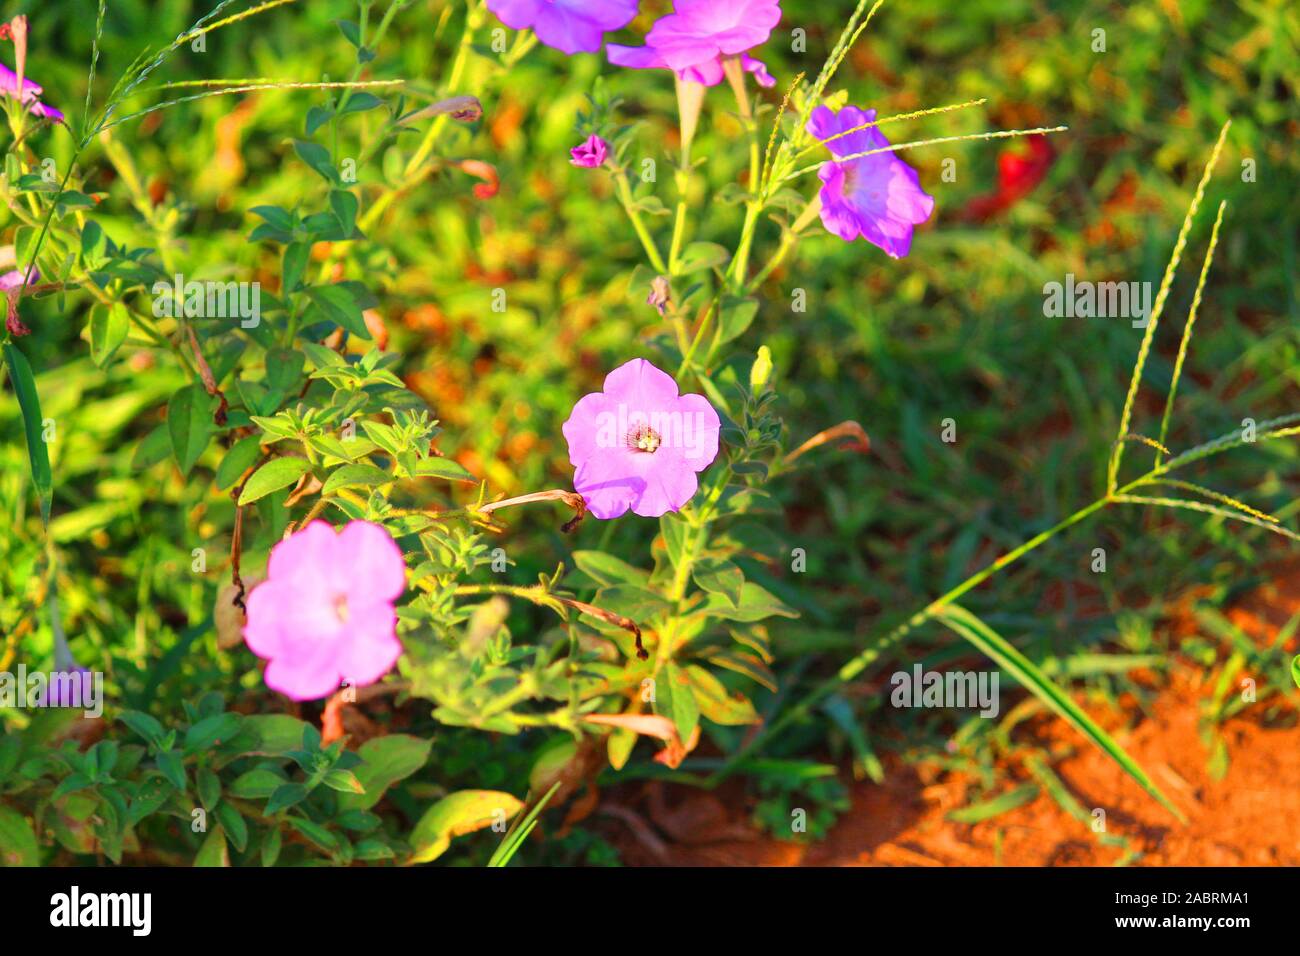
(590, 154)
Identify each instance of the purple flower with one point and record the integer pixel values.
(8, 282)
(30, 93)
(638, 444)
(590, 154)
(877, 197)
(574, 26)
(70, 688)
(693, 40)
(14, 278)
(325, 613)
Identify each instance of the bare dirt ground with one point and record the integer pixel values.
(1251, 817)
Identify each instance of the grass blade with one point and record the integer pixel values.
(1153, 320)
(1191, 322)
(519, 832)
(1027, 674)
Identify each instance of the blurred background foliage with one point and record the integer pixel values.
(955, 331)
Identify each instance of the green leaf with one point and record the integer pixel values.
(337, 305)
(284, 369)
(756, 603)
(735, 315)
(189, 422)
(11, 746)
(344, 781)
(275, 474)
(211, 731)
(277, 734)
(1025, 673)
(1295, 669)
(606, 569)
(360, 102)
(457, 814)
(318, 158)
(93, 244)
(719, 576)
(109, 326)
(208, 786)
(716, 703)
(169, 762)
(271, 847)
(373, 849)
(238, 460)
(286, 795)
(144, 725)
(702, 255)
(20, 373)
(358, 820)
(214, 851)
(294, 267)
(256, 784)
(352, 475)
(631, 601)
(351, 31)
(674, 531)
(153, 448)
(675, 700)
(316, 833)
(18, 846)
(317, 117)
(386, 760)
(435, 467)
(344, 205)
(233, 824)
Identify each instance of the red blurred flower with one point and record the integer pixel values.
(1018, 175)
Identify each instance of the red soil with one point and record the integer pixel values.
(1250, 817)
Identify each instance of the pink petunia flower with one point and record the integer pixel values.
(590, 154)
(14, 278)
(574, 26)
(694, 39)
(30, 94)
(325, 614)
(877, 197)
(638, 444)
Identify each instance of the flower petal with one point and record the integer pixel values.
(371, 647)
(373, 570)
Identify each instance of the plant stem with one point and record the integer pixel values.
(473, 20)
(629, 206)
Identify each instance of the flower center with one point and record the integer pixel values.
(341, 608)
(643, 438)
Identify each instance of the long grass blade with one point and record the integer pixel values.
(1153, 320)
(1206, 509)
(1216, 496)
(518, 833)
(1028, 675)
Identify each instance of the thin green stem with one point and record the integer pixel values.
(626, 199)
(473, 20)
